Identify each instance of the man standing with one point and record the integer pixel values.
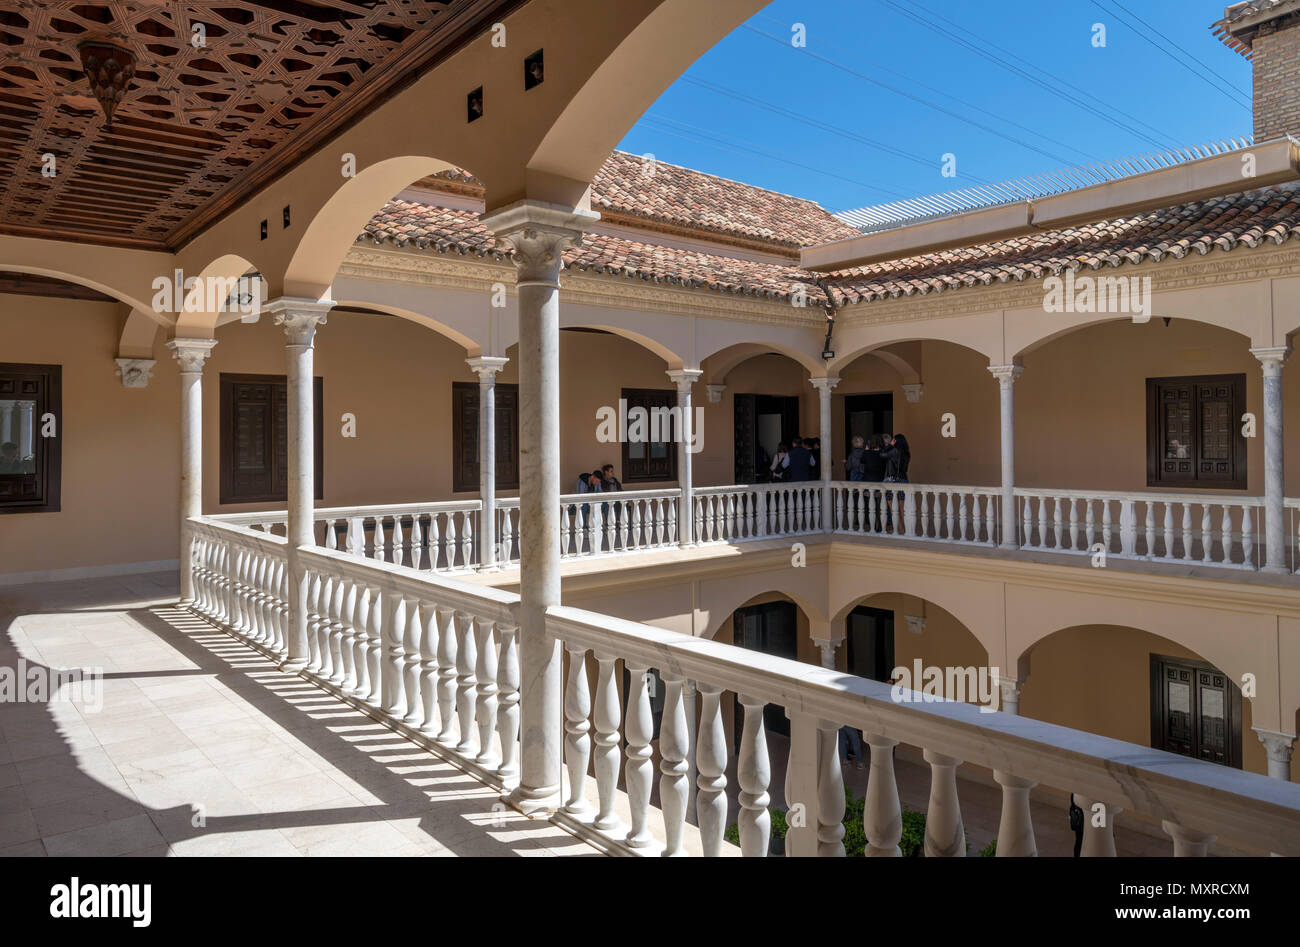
(799, 462)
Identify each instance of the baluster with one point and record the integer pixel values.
(331, 538)
(411, 647)
(313, 579)
(1187, 532)
(429, 670)
(1042, 522)
(381, 540)
(1027, 521)
(1247, 537)
(962, 518)
(1150, 529)
(361, 643)
(399, 549)
(674, 747)
(435, 542)
(634, 514)
(907, 501)
(375, 649)
(466, 655)
(624, 523)
(1106, 531)
(1167, 530)
(923, 496)
(1127, 527)
(508, 706)
(449, 539)
(1225, 530)
(950, 516)
(594, 530)
(882, 816)
(1188, 843)
(1058, 524)
(393, 691)
(577, 727)
(753, 772)
(1016, 827)
(334, 633)
(605, 715)
(280, 609)
(830, 791)
(485, 706)
(466, 540)
(1090, 524)
(1207, 533)
(1074, 524)
(638, 771)
(991, 520)
(945, 836)
(608, 517)
(343, 667)
(417, 542)
(711, 762)
(1098, 840)
(839, 509)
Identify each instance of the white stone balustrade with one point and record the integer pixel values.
(424, 646)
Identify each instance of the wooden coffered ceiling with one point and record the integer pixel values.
(201, 127)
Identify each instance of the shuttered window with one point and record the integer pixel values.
(464, 413)
(1194, 432)
(650, 460)
(255, 438)
(31, 441)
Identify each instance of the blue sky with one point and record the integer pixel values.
(759, 110)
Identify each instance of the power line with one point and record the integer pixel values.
(1080, 97)
(915, 98)
(1231, 92)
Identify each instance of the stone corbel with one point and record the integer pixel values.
(913, 392)
(135, 372)
(715, 393)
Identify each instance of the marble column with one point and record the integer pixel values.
(684, 379)
(190, 354)
(1275, 528)
(1006, 376)
(486, 367)
(538, 234)
(824, 388)
(300, 318)
(1279, 747)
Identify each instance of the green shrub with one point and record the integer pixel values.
(989, 850)
(780, 827)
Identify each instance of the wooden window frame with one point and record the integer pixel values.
(226, 450)
(637, 397)
(49, 450)
(1155, 438)
(1232, 711)
(458, 483)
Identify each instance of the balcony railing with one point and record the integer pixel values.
(1189, 529)
(437, 659)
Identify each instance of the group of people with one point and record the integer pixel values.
(599, 481)
(797, 461)
(882, 459)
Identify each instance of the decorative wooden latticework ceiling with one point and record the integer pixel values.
(201, 126)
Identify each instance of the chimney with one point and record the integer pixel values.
(1267, 32)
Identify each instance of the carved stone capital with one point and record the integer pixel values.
(684, 378)
(1272, 358)
(1006, 374)
(1278, 746)
(913, 393)
(539, 233)
(135, 372)
(715, 393)
(299, 317)
(486, 367)
(191, 353)
(824, 385)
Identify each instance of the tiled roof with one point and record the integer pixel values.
(1226, 223)
(403, 223)
(1250, 219)
(1239, 35)
(632, 189)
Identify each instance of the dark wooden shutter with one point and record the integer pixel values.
(746, 440)
(33, 484)
(654, 460)
(465, 453)
(1193, 431)
(255, 438)
(1195, 711)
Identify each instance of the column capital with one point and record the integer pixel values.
(1006, 374)
(487, 366)
(538, 233)
(191, 353)
(913, 392)
(824, 385)
(683, 378)
(1278, 745)
(300, 317)
(1272, 357)
(715, 393)
(135, 372)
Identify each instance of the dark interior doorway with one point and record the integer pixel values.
(771, 628)
(762, 422)
(1195, 710)
(865, 415)
(870, 639)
